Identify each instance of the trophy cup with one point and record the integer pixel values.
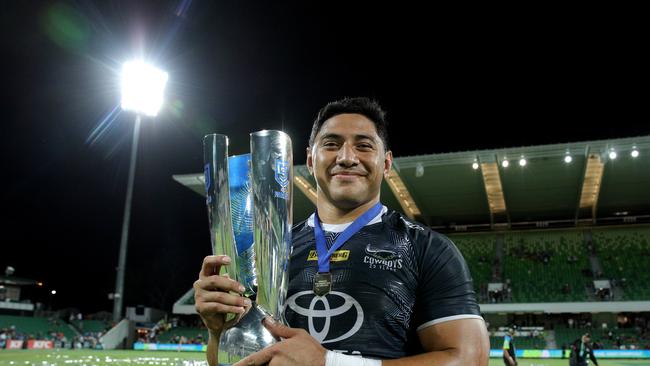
(261, 265)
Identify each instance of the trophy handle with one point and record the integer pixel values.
(215, 158)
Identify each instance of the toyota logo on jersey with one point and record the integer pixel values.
(307, 304)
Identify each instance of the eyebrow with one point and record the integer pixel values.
(336, 136)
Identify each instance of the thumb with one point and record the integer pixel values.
(278, 329)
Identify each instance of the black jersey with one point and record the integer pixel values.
(390, 279)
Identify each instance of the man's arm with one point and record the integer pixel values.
(212, 349)
(511, 361)
(455, 342)
(462, 342)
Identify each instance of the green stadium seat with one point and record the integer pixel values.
(624, 253)
(532, 279)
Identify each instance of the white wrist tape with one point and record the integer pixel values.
(338, 359)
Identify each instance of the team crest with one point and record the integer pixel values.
(282, 172)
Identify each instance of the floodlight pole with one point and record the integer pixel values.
(119, 282)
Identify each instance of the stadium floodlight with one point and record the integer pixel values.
(612, 155)
(505, 163)
(568, 159)
(634, 153)
(419, 170)
(142, 87)
(142, 92)
(522, 161)
(475, 165)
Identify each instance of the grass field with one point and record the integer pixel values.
(160, 358)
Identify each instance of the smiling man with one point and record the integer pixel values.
(367, 286)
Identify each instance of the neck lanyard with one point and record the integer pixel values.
(323, 279)
(321, 247)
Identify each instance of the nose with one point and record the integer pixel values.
(347, 156)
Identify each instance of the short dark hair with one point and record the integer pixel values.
(359, 105)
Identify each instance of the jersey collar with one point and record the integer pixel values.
(337, 228)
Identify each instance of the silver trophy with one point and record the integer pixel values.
(259, 261)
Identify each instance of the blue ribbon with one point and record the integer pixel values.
(321, 246)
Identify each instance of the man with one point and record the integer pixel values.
(363, 280)
(580, 350)
(509, 349)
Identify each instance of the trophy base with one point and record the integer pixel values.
(246, 337)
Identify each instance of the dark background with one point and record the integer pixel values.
(450, 80)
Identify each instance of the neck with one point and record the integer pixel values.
(331, 214)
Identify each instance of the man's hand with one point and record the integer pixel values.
(211, 294)
(296, 348)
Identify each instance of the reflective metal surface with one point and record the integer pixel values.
(215, 159)
(271, 181)
(247, 337)
(272, 178)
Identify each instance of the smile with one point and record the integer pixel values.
(346, 176)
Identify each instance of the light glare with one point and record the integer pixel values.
(568, 159)
(142, 87)
(474, 165)
(522, 162)
(612, 155)
(635, 153)
(505, 163)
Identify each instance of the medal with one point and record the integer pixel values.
(323, 279)
(322, 283)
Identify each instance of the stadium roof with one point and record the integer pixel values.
(449, 192)
(17, 281)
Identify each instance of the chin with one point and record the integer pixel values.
(348, 200)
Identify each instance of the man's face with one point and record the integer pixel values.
(348, 160)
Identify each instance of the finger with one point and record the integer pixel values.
(210, 308)
(279, 330)
(259, 358)
(212, 264)
(220, 283)
(223, 298)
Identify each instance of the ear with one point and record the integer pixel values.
(310, 162)
(388, 162)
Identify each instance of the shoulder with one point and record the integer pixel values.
(300, 233)
(422, 237)
(299, 227)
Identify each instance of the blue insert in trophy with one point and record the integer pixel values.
(241, 210)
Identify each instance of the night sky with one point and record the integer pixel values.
(471, 79)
